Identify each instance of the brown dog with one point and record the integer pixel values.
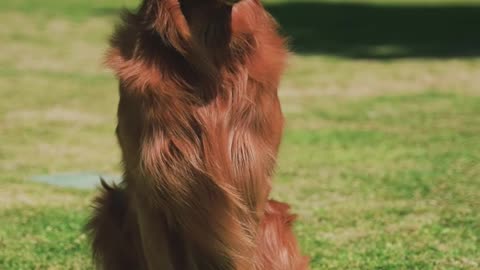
(199, 125)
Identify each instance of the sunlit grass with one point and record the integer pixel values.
(380, 158)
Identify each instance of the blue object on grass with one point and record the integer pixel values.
(80, 180)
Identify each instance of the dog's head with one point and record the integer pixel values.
(197, 21)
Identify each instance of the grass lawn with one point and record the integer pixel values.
(380, 156)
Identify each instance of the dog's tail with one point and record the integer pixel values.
(111, 232)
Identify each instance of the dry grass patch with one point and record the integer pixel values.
(55, 45)
(56, 114)
(323, 76)
(18, 195)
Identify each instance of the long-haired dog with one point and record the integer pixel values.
(199, 126)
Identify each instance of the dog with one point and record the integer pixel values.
(199, 126)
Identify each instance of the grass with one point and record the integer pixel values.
(380, 156)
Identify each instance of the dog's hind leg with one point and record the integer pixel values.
(277, 246)
(114, 234)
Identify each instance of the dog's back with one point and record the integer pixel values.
(199, 124)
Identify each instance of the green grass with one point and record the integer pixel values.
(380, 157)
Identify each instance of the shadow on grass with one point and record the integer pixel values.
(381, 31)
(368, 31)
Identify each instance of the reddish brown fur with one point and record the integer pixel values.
(116, 236)
(277, 247)
(199, 125)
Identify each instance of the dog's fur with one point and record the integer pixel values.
(199, 125)
(117, 244)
